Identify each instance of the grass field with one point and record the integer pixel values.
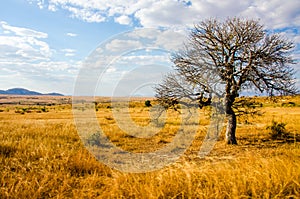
(42, 156)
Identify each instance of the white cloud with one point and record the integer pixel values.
(85, 14)
(170, 40)
(37, 76)
(71, 34)
(155, 13)
(26, 60)
(175, 14)
(69, 52)
(124, 20)
(52, 8)
(118, 45)
(148, 33)
(165, 14)
(22, 31)
(20, 43)
(275, 13)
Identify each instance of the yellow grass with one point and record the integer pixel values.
(42, 156)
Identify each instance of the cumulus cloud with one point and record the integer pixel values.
(170, 40)
(276, 15)
(85, 14)
(22, 44)
(19, 31)
(26, 60)
(165, 14)
(156, 13)
(124, 20)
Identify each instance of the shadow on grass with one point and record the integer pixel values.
(269, 141)
(7, 151)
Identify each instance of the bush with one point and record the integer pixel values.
(44, 109)
(278, 130)
(289, 104)
(148, 103)
(94, 139)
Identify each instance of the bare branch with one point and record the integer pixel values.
(232, 55)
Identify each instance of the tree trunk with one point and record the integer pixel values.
(231, 126)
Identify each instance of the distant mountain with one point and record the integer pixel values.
(22, 91)
(54, 94)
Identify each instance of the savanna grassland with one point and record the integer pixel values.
(42, 155)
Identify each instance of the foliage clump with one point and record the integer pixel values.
(94, 139)
(288, 104)
(148, 103)
(278, 130)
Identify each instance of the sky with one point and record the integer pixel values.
(45, 45)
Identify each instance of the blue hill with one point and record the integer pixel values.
(22, 91)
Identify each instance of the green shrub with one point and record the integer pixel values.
(44, 109)
(148, 103)
(288, 104)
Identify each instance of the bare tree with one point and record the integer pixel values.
(237, 53)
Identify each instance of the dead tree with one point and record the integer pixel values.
(236, 53)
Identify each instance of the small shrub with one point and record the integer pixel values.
(44, 109)
(278, 130)
(289, 104)
(93, 140)
(20, 110)
(148, 103)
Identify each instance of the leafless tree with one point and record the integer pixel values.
(236, 53)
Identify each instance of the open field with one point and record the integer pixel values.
(42, 156)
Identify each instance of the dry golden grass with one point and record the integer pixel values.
(41, 156)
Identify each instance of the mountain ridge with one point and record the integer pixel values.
(23, 91)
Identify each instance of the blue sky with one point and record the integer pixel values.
(43, 43)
